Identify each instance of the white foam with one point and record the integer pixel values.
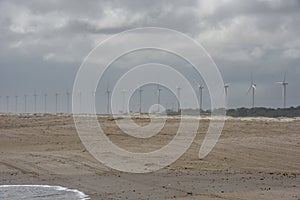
(80, 195)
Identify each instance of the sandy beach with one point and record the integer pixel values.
(255, 158)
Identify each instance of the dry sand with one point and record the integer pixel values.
(255, 158)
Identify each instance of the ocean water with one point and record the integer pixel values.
(39, 192)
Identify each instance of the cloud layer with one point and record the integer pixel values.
(45, 42)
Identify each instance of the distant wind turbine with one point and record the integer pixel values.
(16, 103)
(35, 95)
(108, 100)
(68, 100)
(7, 103)
(94, 96)
(80, 101)
(253, 88)
(25, 103)
(45, 103)
(201, 87)
(123, 100)
(56, 102)
(284, 85)
(178, 100)
(158, 98)
(140, 92)
(226, 86)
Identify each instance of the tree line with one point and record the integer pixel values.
(246, 112)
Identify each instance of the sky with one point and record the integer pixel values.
(43, 43)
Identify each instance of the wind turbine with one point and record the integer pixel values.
(108, 99)
(7, 103)
(123, 100)
(94, 93)
(35, 95)
(253, 88)
(158, 97)
(25, 103)
(140, 92)
(68, 100)
(200, 97)
(226, 86)
(178, 101)
(16, 103)
(80, 101)
(1, 104)
(45, 103)
(284, 85)
(56, 101)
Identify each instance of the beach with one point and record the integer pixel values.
(255, 158)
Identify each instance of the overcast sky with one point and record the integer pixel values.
(42, 43)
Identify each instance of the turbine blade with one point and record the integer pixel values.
(249, 89)
(284, 77)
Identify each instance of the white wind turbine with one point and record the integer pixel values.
(140, 92)
(94, 93)
(158, 98)
(68, 100)
(108, 100)
(123, 101)
(80, 101)
(56, 102)
(35, 96)
(7, 104)
(201, 87)
(284, 85)
(226, 87)
(253, 88)
(178, 101)
(45, 103)
(16, 103)
(25, 103)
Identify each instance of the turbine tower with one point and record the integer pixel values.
(284, 85)
(7, 103)
(45, 103)
(56, 102)
(35, 95)
(253, 88)
(25, 103)
(108, 99)
(80, 102)
(68, 100)
(178, 100)
(200, 97)
(123, 100)
(140, 92)
(94, 97)
(158, 98)
(16, 103)
(226, 86)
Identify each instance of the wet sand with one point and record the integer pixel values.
(255, 158)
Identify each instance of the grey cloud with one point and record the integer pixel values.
(244, 37)
(84, 26)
